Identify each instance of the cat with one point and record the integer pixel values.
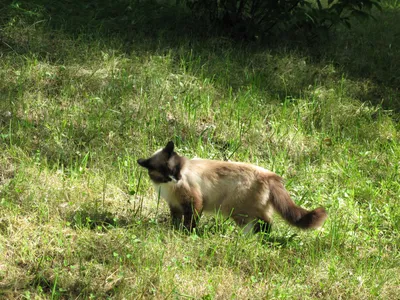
(245, 192)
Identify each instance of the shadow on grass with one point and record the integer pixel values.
(227, 227)
(277, 241)
(369, 52)
(100, 219)
(96, 219)
(92, 219)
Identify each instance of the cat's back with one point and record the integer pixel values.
(206, 171)
(223, 184)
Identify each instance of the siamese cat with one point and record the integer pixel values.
(246, 193)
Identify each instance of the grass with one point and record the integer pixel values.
(85, 90)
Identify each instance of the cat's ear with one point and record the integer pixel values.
(143, 162)
(169, 148)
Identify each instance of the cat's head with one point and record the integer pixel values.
(164, 165)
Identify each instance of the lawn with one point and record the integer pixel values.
(88, 87)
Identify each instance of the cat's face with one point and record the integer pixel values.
(163, 166)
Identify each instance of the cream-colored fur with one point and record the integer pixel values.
(238, 190)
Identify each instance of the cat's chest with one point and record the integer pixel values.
(167, 191)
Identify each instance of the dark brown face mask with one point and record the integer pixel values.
(164, 166)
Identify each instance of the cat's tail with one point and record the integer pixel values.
(293, 214)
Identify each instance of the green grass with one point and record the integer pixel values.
(85, 90)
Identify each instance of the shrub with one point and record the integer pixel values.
(255, 17)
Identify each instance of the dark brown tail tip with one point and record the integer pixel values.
(313, 219)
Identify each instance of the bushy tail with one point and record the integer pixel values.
(292, 213)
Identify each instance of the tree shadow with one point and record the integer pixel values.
(368, 53)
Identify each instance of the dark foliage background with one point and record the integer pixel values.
(248, 18)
